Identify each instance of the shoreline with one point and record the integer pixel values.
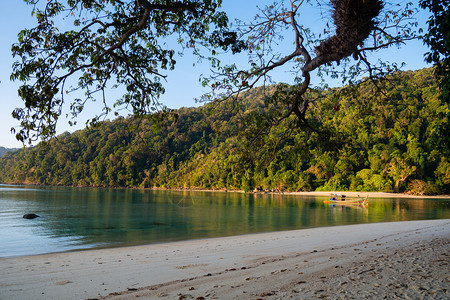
(303, 193)
(356, 194)
(311, 193)
(373, 195)
(339, 261)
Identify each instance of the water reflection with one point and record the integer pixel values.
(77, 218)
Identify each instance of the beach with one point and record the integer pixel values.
(316, 193)
(379, 260)
(372, 195)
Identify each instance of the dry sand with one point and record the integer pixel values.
(371, 195)
(373, 261)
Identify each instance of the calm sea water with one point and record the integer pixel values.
(85, 218)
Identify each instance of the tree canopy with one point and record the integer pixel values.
(95, 45)
(382, 143)
(81, 48)
(438, 38)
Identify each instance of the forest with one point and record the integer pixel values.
(391, 137)
(3, 150)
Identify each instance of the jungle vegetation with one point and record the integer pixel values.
(367, 137)
(3, 150)
(80, 50)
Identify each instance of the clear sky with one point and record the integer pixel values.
(182, 85)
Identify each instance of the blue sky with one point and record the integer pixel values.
(182, 85)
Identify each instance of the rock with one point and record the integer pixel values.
(30, 216)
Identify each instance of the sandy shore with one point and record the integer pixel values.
(314, 193)
(392, 260)
(371, 195)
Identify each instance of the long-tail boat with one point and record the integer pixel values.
(342, 199)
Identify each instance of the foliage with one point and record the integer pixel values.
(3, 150)
(382, 143)
(420, 187)
(438, 38)
(340, 50)
(86, 47)
(82, 48)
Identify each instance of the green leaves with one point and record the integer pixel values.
(111, 43)
(374, 144)
(437, 37)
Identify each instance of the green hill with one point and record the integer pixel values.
(3, 150)
(353, 141)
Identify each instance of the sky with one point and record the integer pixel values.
(182, 85)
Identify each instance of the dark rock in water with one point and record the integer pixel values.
(30, 216)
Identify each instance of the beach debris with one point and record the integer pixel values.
(229, 270)
(63, 282)
(30, 216)
(115, 294)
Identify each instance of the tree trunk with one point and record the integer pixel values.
(397, 183)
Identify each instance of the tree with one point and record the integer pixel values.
(360, 27)
(438, 38)
(118, 42)
(111, 43)
(400, 170)
(392, 147)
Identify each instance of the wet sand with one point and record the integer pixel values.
(392, 260)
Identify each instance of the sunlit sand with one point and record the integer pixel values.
(407, 259)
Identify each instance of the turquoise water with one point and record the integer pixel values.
(85, 218)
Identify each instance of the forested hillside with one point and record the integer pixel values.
(395, 141)
(3, 150)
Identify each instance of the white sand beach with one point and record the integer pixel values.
(372, 195)
(350, 194)
(392, 260)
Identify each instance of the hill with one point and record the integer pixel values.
(3, 150)
(359, 140)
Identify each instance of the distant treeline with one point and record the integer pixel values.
(3, 150)
(387, 137)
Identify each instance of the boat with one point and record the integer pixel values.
(342, 199)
